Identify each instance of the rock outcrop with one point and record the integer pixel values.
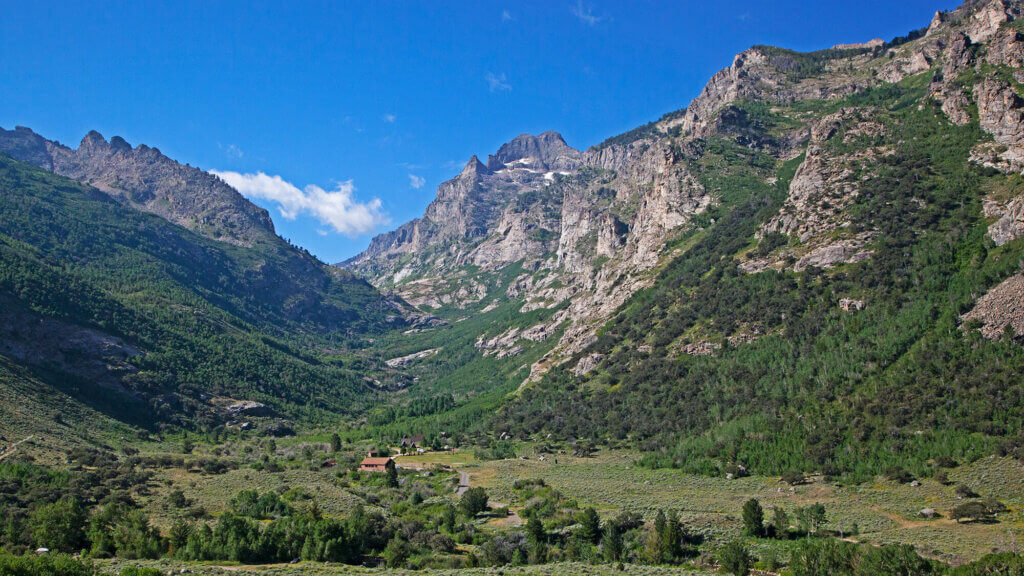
(587, 228)
(144, 178)
(1001, 307)
(583, 226)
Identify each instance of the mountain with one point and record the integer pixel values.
(143, 178)
(164, 296)
(814, 266)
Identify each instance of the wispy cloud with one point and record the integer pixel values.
(585, 14)
(231, 150)
(417, 182)
(390, 118)
(497, 82)
(413, 167)
(335, 208)
(506, 16)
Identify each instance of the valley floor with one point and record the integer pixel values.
(880, 512)
(319, 569)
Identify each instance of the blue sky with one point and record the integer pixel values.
(342, 118)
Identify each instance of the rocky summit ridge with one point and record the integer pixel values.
(589, 228)
(144, 178)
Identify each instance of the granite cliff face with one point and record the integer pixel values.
(589, 228)
(582, 228)
(145, 179)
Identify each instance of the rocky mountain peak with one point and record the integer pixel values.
(147, 180)
(474, 168)
(546, 151)
(92, 140)
(119, 144)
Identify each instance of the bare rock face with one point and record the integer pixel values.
(403, 361)
(588, 227)
(957, 57)
(1006, 48)
(145, 179)
(587, 364)
(547, 151)
(909, 63)
(762, 73)
(985, 21)
(1009, 224)
(583, 226)
(824, 186)
(847, 251)
(1001, 307)
(1001, 112)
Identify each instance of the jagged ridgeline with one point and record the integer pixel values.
(815, 266)
(158, 294)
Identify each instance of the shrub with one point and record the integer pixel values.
(735, 558)
(474, 501)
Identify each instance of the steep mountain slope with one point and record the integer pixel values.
(284, 288)
(582, 226)
(144, 178)
(150, 323)
(788, 264)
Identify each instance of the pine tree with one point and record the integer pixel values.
(612, 543)
(590, 530)
(735, 558)
(753, 518)
(672, 540)
(780, 522)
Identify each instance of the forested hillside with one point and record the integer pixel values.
(821, 317)
(813, 267)
(152, 324)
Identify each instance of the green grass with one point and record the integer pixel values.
(884, 511)
(317, 569)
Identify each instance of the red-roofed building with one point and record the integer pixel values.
(382, 464)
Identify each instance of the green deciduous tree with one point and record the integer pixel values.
(473, 501)
(735, 558)
(59, 526)
(893, 560)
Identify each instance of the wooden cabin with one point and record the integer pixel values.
(381, 464)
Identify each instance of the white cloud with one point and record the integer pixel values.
(497, 82)
(336, 208)
(585, 14)
(417, 182)
(231, 150)
(506, 16)
(390, 118)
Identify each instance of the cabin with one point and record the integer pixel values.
(381, 464)
(413, 441)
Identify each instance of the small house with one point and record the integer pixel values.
(381, 464)
(413, 441)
